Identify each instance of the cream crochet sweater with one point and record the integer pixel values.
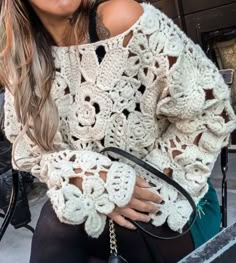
(150, 98)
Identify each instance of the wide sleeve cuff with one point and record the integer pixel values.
(97, 198)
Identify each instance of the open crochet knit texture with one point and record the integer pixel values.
(158, 97)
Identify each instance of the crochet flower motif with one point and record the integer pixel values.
(175, 213)
(174, 210)
(90, 114)
(124, 94)
(87, 205)
(141, 130)
(166, 39)
(146, 62)
(151, 23)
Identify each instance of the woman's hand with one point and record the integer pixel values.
(143, 201)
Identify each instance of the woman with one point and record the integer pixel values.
(81, 77)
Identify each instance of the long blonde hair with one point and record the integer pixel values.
(27, 66)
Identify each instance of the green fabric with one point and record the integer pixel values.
(208, 220)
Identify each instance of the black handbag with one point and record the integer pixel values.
(115, 258)
(22, 215)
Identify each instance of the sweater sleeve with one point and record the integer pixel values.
(195, 107)
(95, 200)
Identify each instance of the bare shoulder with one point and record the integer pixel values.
(116, 16)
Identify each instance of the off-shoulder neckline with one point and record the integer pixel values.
(102, 42)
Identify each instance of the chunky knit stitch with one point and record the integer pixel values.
(158, 97)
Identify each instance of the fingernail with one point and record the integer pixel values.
(131, 226)
(147, 219)
(159, 200)
(156, 208)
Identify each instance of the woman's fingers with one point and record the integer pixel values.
(143, 206)
(134, 215)
(143, 202)
(146, 195)
(142, 183)
(120, 220)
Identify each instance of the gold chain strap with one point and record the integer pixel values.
(113, 241)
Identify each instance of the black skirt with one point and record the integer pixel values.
(56, 242)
